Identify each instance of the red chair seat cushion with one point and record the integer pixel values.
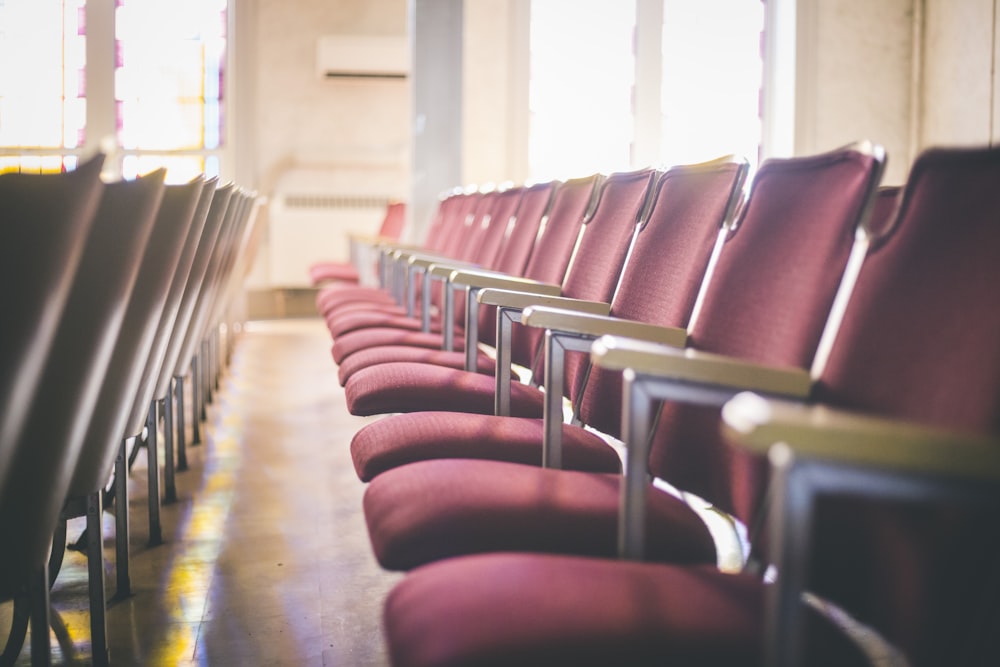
(366, 319)
(401, 439)
(415, 387)
(436, 509)
(333, 271)
(544, 610)
(354, 341)
(334, 295)
(384, 354)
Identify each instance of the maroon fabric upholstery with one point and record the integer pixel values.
(779, 214)
(356, 341)
(416, 387)
(441, 508)
(390, 229)
(547, 263)
(384, 354)
(445, 233)
(659, 285)
(548, 610)
(332, 296)
(919, 342)
(485, 239)
(445, 435)
(767, 302)
(665, 269)
(411, 387)
(330, 271)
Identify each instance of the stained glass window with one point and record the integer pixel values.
(168, 79)
(42, 95)
(170, 57)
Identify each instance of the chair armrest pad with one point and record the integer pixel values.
(672, 363)
(829, 434)
(424, 261)
(523, 299)
(587, 324)
(485, 279)
(443, 269)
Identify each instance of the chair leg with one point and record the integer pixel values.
(169, 483)
(18, 631)
(153, 455)
(41, 650)
(195, 401)
(182, 462)
(206, 371)
(123, 581)
(95, 579)
(58, 550)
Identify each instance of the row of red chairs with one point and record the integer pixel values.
(114, 291)
(737, 423)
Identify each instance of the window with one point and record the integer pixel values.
(167, 83)
(580, 92)
(583, 65)
(710, 95)
(42, 103)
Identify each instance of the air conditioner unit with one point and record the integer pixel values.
(363, 56)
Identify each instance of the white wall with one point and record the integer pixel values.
(853, 77)
(312, 134)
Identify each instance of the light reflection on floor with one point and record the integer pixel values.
(266, 560)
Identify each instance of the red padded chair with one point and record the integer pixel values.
(912, 372)
(482, 249)
(524, 235)
(767, 302)
(549, 258)
(347, 272)
(592, 277)
(445, 235)
(693, 207)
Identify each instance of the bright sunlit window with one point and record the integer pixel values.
(710, 99)
(168, 83)
(580, 94)
(42, 84)
(167, 108)
(583, 78)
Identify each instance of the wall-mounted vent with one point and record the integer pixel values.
(363, 57)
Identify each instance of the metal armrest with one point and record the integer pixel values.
(816, 450)
(660, 361)
(526, 296)
(572, 331)
(658, 372)
(587, 324)
(473, 280)
(509, 306)
(838, 436)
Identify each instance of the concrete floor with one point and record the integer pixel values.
(266, 558)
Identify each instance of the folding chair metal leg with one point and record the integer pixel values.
(182, 462)
(206, 379)
(169, 483)
(18, 631)
(123, 581)
(95, 579)
(41, 652)
(153, 455)
(195, 401)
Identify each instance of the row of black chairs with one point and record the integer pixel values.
(115, 290)
(803, 373)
